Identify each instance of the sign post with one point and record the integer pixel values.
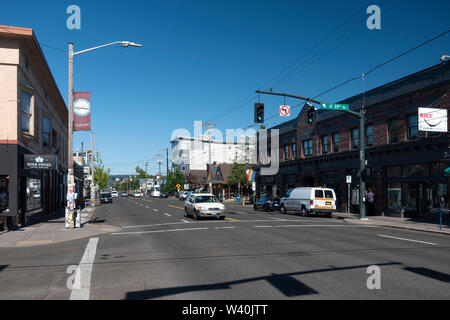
(349, 182)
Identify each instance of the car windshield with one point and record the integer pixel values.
(205, 199)
(103, 195)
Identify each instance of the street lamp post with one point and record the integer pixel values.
(70, 177)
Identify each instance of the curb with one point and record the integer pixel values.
(397, 227)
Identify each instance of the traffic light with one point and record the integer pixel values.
(259, 112)
(310, 116)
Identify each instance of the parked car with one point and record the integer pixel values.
(114, 194)
(137, 194)
(309, 201)
(105, 197)
(164, 195)
(124, 194)
(267, 203)
(204, 205)
(155, 193)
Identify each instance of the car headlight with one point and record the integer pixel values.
(202, 209)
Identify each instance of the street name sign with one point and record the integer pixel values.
(335, 106)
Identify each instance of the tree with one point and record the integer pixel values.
(238, 175)
(101, 175)
(173, 179)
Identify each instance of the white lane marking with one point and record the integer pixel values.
(84, 272)
(159, 231)
(279, 219)
(141, 204)
(156, 210)
(308, 225)
(382, 235)
(224, 227)
(147, 207)
(169, 215)
(153, 225)
(239, 212)
(185, 221)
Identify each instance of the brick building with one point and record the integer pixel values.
(405, 167)
(33, 121)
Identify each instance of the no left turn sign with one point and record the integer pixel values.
(285, 111)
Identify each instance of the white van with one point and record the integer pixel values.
(309, 200)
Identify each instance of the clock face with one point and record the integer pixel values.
(81, 107)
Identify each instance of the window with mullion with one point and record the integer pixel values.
(26, 111)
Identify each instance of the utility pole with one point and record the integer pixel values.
(146, 165)
(92, 172)
(167, 162)
(209, 124)
(70, 177)
(362, 146)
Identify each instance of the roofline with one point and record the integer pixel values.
(28, 32)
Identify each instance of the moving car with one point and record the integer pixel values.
(114, 194)
(267, 203)
(155, 193)
(204, 205)
(309, 201)
(182, 195)
(105, 197)
(124, 194)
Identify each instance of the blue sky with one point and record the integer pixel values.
(203, 58)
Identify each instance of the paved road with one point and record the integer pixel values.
(160, 254)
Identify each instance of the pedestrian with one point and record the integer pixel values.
(370, 200)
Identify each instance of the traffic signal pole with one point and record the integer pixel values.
(362, 144)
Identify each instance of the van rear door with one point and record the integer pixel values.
(324, 199)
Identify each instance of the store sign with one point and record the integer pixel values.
(40, 162)
(433, 120)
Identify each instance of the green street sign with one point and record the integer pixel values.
(334, 106)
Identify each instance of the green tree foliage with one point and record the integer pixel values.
(173, 179)
(101, 175)
(238, 174)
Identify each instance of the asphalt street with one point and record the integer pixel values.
(161, 254)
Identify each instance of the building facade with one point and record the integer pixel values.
(405, 166)
(193, 153)
(33, 121)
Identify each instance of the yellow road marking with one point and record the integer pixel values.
(33, 242)
(231, 219)
(108, 229)
(176, 207)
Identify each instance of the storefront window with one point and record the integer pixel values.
(416, 170)
(394, 196)
(394, 172)
(33, 194)
(438, 168)
(410, 193)
(4, 195)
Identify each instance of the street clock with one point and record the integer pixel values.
(82, 107)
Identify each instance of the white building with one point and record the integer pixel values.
(190, 153)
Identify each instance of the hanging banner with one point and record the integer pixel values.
(82, 111)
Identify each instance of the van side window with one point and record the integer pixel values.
(318, 194)
(329, 194)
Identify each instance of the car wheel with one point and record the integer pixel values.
(283, 209)
(185, 212)
(255, 207)
(304, 212)
(195, 215)
(222, 218)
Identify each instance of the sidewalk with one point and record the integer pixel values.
(53, 230)
(393, 222)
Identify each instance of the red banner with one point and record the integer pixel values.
(81, 111)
